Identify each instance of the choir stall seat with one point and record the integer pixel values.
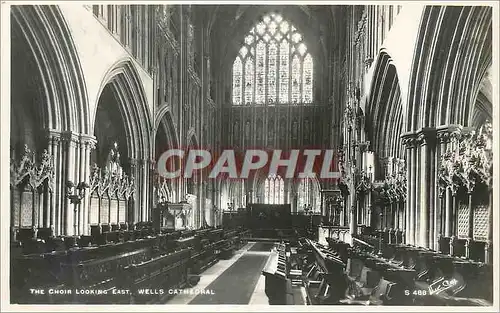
(159, 274)
(278, 286)
(326, 282)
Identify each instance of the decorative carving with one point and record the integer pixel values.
(409, 141)
(28, 167)
(470, 161)
(162, 191)
(393, 188)
(364, 182)
(112, 179)
(424, 138)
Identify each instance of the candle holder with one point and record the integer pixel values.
(75, 194)
(380, 237)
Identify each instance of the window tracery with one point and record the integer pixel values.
(273, 65)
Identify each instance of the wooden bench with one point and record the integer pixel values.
(152, 281)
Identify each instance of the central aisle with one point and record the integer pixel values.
(238, 280)
(237, 283)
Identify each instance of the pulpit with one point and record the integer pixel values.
(171, 216)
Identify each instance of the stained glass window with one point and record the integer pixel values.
(296, 79)
(237, 76)
(307, 78)
(273, 65)
(260, 93)
(249, 81)
(284, 72)
(274, 190)
(272, 72)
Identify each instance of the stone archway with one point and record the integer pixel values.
(452, 55)
(166, 138)
(50, 108)
(122, 117)
(384, 110)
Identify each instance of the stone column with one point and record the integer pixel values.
(439, 198)
(448, 216)
(369, 209)
(58, 193)
(144, 189)
(88, 144)
(69, 149)
(424, 190)
(432, 181)
(50, 190)
(411, 172)
(353, 221)
(134, 172)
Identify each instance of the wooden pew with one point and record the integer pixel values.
(99, 274)
(153, 281)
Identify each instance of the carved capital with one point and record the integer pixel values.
(133, 162)
(409, 140)
(70, 138)
(443, 136)
(368, 62)
(89, 142)
(54, 135)
(425, 137)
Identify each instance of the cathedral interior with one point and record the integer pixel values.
(401, 93)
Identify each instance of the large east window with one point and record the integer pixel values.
(274, 190)
(273, 66)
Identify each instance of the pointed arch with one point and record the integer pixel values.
(164, 116)
(384, 111)
(308, 192)
(125, 82)
(55, 54)
(448, 65)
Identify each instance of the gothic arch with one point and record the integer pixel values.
(50, 41)
(191, 138)
(164, 114)
(448, 65)
(128, 89)
(483, 104)
(384, 112)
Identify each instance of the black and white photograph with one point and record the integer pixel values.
(220, 156)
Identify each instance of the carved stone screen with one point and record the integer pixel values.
(481, 221)
(26, 208)
(463, 221)
(94, 210)
(105, 209)
(122, 209)
(113, 203)
(16, 203)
